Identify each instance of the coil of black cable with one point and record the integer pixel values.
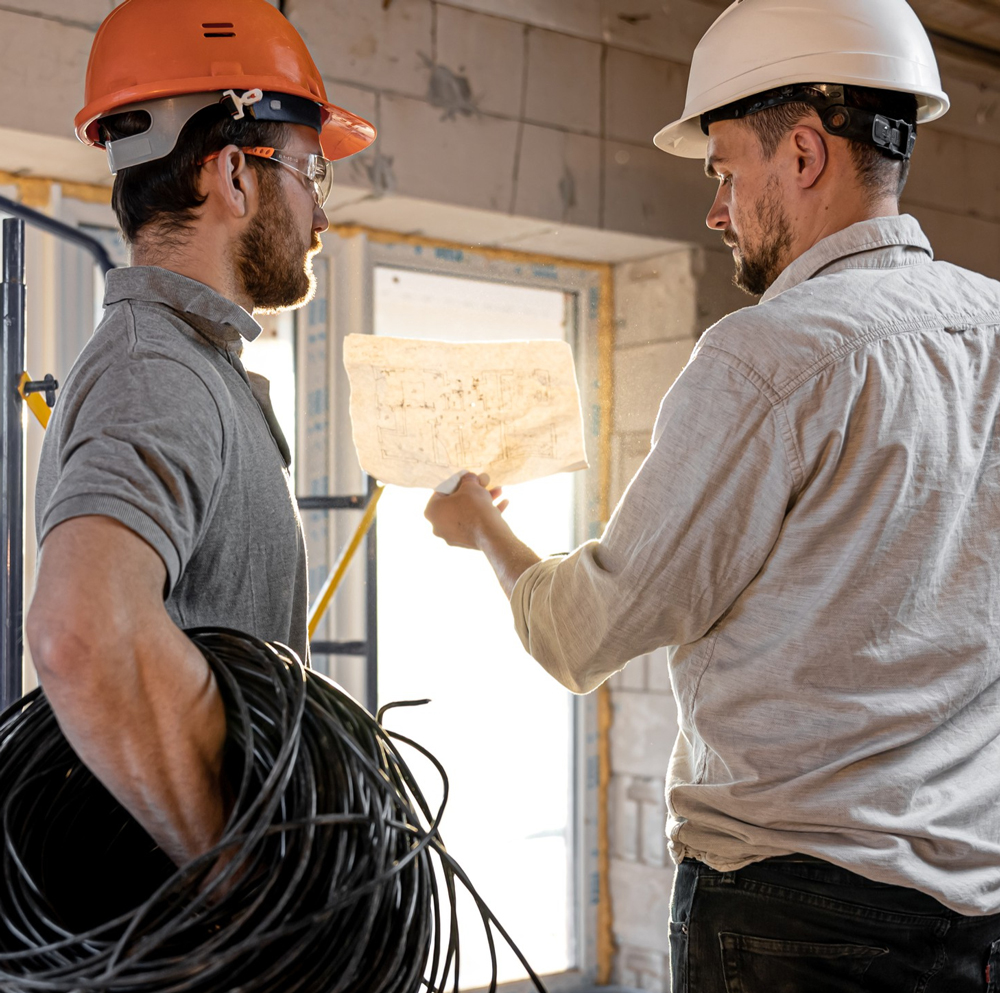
(337, 879)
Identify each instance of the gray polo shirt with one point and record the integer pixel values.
(159, 426)
(816, 532)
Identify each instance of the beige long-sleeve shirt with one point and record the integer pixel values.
(816, 533)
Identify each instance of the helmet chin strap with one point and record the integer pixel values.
(894, 137)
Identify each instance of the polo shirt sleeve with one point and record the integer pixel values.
(694, 527)
(143, 446)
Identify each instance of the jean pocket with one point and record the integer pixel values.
(763, 965)
(993, 969)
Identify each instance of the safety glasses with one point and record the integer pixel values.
(316, 170)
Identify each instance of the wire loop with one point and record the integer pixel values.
(337, 881)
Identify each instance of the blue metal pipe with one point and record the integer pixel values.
(61, 230)
(12, 326)
(12, 360)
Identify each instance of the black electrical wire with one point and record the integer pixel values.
(337, 879)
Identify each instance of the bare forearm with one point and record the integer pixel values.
(151, 726)
(132, 694)
(509, 556)
(468, 518)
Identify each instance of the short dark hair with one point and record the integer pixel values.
(879, 172)
(165, 191)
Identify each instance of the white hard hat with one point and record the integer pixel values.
(761, 45)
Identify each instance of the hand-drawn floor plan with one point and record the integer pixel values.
(423, 411)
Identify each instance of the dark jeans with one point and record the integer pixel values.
(799, 925)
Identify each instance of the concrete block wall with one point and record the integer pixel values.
(529, 113)
(642, 736)
(953, 190)
(548, 111)
(537, 109)
(519, 107)
(662, 305)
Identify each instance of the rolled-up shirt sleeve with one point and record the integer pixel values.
(694, 527)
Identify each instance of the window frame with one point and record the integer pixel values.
(346, 275)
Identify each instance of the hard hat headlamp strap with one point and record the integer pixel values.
(243, 100)
(281, 107)
(895, 137)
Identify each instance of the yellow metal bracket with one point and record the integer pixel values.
(322, 601)
(37, 405)
(35, 401)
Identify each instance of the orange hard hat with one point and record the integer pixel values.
(171, 58)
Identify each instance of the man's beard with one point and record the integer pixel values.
(272, 264)
(759, 265)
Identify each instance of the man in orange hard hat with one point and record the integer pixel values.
(164, 499)
(815, 533)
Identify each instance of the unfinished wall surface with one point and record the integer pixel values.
(642, 736)
(954, 188)
(548, 110)
(662, 306)
(505, 114)
(528, 108)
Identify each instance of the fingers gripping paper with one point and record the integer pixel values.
(422, 411)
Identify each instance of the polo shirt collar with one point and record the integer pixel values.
(183, 295)
(896, 241)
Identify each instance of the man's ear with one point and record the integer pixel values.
(811, 153)
(234, 181)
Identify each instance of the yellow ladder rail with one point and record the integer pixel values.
(322, 601)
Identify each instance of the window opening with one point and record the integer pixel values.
(502, 727)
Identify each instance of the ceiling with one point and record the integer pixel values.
(972, 22)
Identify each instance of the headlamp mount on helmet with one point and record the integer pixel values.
(894, 137)
(264, 106)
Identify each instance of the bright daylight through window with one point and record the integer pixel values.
(502, 728)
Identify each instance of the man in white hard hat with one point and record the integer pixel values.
(816, 532)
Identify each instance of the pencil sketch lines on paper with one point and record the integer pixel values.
(423, 412)
(439, 418)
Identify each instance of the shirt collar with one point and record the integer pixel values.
(875, 235)
(228, 320)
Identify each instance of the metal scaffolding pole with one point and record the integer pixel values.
(12, 345)
(61, 230)
(12, 464)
